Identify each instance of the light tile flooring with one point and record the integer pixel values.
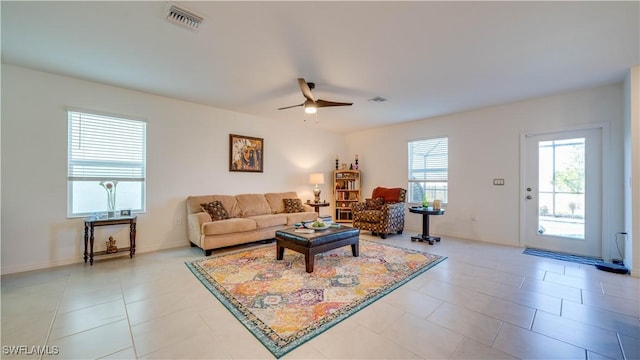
(484, 302)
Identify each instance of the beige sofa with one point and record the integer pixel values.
(252, 217)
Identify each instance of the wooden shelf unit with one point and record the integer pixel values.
(346, 185)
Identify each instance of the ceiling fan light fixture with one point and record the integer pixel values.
(311, 105)
(378, 99)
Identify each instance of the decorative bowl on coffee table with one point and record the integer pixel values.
(310, 226)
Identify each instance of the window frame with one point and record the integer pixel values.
(438, 179)
(138, 167)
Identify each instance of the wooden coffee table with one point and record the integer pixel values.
(317, 242)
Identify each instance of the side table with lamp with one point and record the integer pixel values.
(317, 179)
(317, 205)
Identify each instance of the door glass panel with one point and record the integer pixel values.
(561, 184)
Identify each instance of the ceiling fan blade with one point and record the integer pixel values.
(289, 107)
(306, 91)
(325, 103)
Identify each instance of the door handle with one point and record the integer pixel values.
(528, 189)
(529, 197)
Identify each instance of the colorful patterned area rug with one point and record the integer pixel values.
(283, 306)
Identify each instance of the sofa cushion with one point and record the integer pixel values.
(228, 201)
(269, 220)
(253, 204)
(275, 200)
(216, 210)
(390, 195)
(228, 226)
(293, 205)
(374, 204)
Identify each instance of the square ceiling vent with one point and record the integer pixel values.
(183, 17)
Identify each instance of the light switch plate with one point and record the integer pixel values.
(498, 182)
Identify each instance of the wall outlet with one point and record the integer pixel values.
(498, 182)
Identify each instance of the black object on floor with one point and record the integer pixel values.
(563, 256)
(614, 268)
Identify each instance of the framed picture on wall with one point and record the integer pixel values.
(246, 153)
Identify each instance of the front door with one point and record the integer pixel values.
(563, 192)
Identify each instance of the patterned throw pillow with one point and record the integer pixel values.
(293, 205)
(216, 210)
(374, 204)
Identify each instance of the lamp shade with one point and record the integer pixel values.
(316, 179)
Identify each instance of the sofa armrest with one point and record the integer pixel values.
(399, 206)
(308, 208)
(392, 209)
(194, 222)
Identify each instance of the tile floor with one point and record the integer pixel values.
(484, 302)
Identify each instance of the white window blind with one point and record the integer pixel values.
(105, 148)
(428, 169)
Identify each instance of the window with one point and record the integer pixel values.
(104, 149)
(429, 170)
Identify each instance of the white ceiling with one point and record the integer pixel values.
(426, 58)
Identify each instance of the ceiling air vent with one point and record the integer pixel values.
(378, 99)
(183, 17)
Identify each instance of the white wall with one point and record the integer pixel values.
(632, 171)
(187, 147)
(485, 144)
(187, 154)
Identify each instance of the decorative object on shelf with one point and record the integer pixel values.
(111, 246)
(125, 212)
(110, 187)
(425, 202)
(436, 204)
(246, 153)
(336, 162)
(343, 166)
(317, 179)
(356, 167)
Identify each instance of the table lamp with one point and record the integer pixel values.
(317, 179)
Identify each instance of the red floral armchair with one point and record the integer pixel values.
(383, 213)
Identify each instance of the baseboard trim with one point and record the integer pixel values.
(77, 260)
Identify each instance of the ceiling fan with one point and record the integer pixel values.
(311, 104)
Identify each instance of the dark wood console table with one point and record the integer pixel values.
(91, 223)
(425, 223)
